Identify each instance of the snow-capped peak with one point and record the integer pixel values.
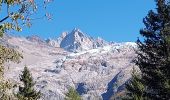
(76, 41)
(76, 30)
(78, 33)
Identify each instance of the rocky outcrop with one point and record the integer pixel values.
(76, 41)
(56, 42)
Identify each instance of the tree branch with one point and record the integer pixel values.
(5, 18)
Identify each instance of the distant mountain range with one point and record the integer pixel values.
(97, 69)
(76, 41)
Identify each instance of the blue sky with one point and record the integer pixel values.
(113, 20)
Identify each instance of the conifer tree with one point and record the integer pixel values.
(154, 54)
(135, 87)
(72, 95)
(27, 92)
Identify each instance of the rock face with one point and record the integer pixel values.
(76, 41)
(52, 42)
(56, 42)
(99, 42)
(35, 39)
(95, 72)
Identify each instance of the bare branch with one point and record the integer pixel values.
(4, 19)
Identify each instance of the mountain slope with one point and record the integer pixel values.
(92, 72)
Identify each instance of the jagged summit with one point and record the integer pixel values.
(78, 33)
(99, 42)
(76, 30)
(76, 41)
(56, 42)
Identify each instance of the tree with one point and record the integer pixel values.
(154, 54)
(19, 13)
(72, 95)
(135, 87)
(27, 92)
(13, 17)
(15, 14)
(6, 55)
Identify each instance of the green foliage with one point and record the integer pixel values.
(15, 18)
(135, 87)
(6, 55)
(72, 95)
(18, 14)
(153, 56)
(5, 86)
(27, 92)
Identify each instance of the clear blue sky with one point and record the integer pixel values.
(113, 20)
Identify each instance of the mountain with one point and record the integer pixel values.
(77, 41)
(96, 72)
(35, 39)
(99, 42)
(56, 42)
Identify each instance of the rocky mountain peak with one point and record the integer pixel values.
(56, 42)
(76, 30)
(99, 42)
(64, 34)
(76, 41)
(77, 33)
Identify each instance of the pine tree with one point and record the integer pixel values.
(154, 54)
(72, 95)
(27, 92)
(135, 87)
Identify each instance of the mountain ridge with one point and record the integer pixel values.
(76, 41)
(91, 72)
